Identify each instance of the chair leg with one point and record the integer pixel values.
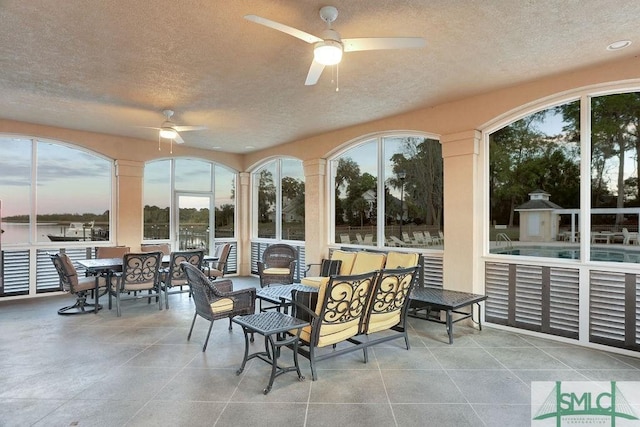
(206, 341)
(406, 339)
(312, 362)
(80, 307)
(192, 323)
(230, 324)
(118, 304)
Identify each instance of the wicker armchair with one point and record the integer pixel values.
(278, 264)
(217, 300)
(174, 276)
(80, 286)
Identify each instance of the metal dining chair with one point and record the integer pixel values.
(140, 272)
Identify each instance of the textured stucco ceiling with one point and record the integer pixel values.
(112, 66)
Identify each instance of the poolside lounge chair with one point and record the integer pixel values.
(407, 239)
(345, 239)
(433, 240)
(629, 238)
(419, 238)
(397, 241)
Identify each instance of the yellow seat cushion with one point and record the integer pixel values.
(332, 335)
(382, 321)
(276, 270)
(336, 332)
(142, 286)
(401, 260)
(347, 259)
(315, 281)
(222, 305)
(367, 261)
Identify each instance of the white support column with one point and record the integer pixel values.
(243, 223)
(462, 207)
(316, 210)
(129, 205)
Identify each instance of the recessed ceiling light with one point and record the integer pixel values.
(620, 44)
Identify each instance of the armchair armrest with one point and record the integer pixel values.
(306, 271)
(301, 310)
(221, 286)
(261, 267)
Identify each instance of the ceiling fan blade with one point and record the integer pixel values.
(188, 128)
(309, 38)
(377, 43)
(314, 73)
(178, 139)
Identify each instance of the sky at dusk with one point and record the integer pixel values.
(68, 180)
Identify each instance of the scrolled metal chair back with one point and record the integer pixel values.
(176, 272)
(390, 299)
(392, 289)
(141, 268)
(345, 300)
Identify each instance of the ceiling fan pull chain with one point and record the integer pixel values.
(337, 78)
(159, 140)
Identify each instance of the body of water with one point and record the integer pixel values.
(18, 233)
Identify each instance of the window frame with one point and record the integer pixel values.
(379, 139)
(277, 179)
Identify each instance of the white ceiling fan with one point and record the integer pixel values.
(170, 130)
(328, 49)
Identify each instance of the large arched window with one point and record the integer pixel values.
(563, 220)
(534, 181)
(279, 200)
(387, 191)
(52, 192)
(194, 198)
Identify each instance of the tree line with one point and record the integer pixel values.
(523, 158)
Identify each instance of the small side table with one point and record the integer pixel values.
(271, 324)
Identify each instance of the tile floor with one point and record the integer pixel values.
(139, 370)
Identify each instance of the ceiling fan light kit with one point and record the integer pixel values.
(328, 49)
(168, 133)
(328, 52)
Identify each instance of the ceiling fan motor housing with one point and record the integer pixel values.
(328, 14)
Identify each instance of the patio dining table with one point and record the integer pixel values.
(109, 266)
(114, 265)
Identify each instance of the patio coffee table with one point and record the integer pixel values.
(435, 299)
(274, 294)
(271, 324)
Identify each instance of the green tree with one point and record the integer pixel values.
(266, 195)
(293, 194)
(523, 159)
(421, 161)
(614, 132)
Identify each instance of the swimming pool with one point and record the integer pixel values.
(617, 254)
